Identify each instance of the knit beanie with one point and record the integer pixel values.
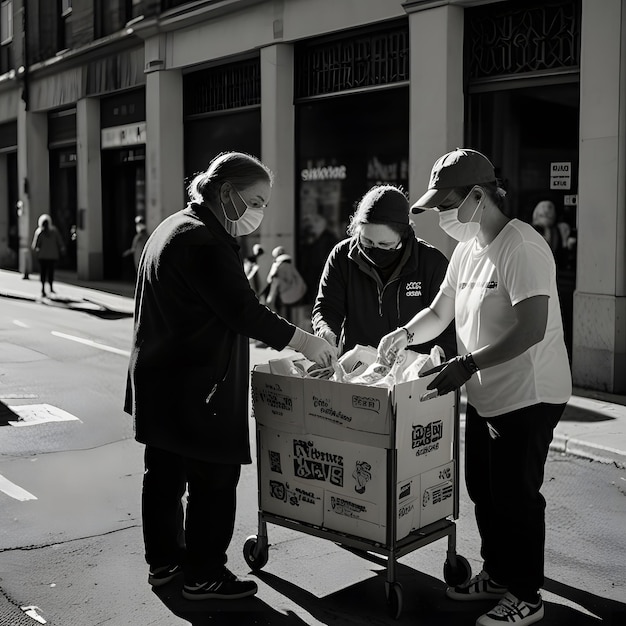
(385, 204)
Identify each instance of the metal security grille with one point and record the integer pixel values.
(222, 88)
(512, 38)
(368, 59)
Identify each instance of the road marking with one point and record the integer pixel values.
(21, 324)
(93, 344)
(31, 414)
(15, 491)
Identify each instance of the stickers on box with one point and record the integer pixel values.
(437, 488)
(424, 429)
(277, 400)
(356, 413)
(354, 516)
(346, 468)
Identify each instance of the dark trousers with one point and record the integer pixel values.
(199, 536)
(505, 458)
(46, 271)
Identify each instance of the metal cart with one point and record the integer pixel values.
(456, 568)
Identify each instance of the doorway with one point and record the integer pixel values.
(123, 198)
(531, 135)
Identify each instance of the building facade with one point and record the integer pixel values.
(107, 109)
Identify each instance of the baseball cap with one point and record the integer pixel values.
(462, 167)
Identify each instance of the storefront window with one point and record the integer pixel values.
(344, 146)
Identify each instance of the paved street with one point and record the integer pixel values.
(75, 552)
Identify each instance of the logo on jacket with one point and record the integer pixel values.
(414, 288)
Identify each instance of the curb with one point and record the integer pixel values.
(586, 450)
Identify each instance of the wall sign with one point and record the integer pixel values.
(126, 135)
(560, 175)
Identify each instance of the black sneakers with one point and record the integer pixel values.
(162, 575)
(480, 587)
(226, 587)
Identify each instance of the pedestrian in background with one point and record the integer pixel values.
(139, 241)
(380, 277)
(500, 288)
(285, 286)
(251, 267)
(48, 248)
(188, 383)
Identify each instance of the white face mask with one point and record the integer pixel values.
(461, 231)
(247, 222)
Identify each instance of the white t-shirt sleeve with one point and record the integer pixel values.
(451, 279)
(528, 271)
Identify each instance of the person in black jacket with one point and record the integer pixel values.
(379, 278)
(189, 370)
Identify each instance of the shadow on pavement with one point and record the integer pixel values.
(610, 612)
(578, 414)
(244, 612)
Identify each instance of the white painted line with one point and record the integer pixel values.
(31, 611)
(21, 324)
(31, 414)
(15, 491)
(93, 344)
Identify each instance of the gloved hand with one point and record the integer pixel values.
(329, 336)
(313, 348)
(391, 344)
(452, 374)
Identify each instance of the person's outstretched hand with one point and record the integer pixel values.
(313, 348)
(391, 344)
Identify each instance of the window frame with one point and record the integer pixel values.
(6, 25)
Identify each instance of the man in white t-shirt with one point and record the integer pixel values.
(500, 288)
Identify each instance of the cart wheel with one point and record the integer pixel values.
(458, 574)
(255, 553)
(394, 599)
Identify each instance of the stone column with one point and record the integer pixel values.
(89, 254)
(437, 102)
(33, 179)
(599, 334)
(165, 188)
(278, 149)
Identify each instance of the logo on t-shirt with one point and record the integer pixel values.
(414, 288)
(490, 284)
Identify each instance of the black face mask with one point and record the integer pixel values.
(378, 257)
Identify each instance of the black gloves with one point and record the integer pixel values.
(452, 374)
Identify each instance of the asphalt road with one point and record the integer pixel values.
(75, 552)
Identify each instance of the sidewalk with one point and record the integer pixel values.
(593, 425)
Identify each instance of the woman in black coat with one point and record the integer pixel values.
(189, 372)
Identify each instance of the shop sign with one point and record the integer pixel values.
(126, 135)
(560, 175)
(330, 172)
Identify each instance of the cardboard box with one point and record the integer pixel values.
(424, 429)
(346, 468)
(368, 520)
(348, 412)
(437, 489)
(280, 492)
(277, 401)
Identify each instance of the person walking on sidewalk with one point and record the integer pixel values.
(500, 288)
(188, 379)
(48, 248)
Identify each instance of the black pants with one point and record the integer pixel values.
(505, 458)
(199, 537)
(46, 271)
